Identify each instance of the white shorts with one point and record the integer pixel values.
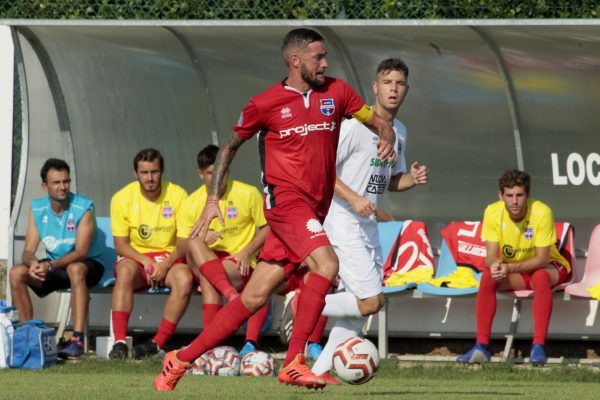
(361, 268)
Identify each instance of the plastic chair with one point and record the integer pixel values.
(591, 274)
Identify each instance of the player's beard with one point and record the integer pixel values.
(313, 81)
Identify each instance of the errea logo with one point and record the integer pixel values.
(305, 129)
(286, 113)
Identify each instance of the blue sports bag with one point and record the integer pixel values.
(32, 346)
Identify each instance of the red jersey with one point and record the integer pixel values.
(298, 138)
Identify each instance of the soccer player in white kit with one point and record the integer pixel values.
(351, 223)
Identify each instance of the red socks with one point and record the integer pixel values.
(310, 306)
(317, 333)
(542, 304)
(214, 272)
(165, 330)
(256, 322)
(208, 313)
(485, 306)
(120, 320)
(227, 322)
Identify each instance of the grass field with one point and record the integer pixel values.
(123, 380)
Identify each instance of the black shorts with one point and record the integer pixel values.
(58, 279)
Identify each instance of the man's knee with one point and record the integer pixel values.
(540, 279)
(127, 273)
(199, 251)
(76, 272)
(326, 264)
(254, 299)
(182, 281)
(371, 305)
(18, 275)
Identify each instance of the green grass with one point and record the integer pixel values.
(123, 380)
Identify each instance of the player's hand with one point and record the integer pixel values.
(211, 211)
(212, 237)
(419, 173)
(160, 272)
(386, 151)
(148, 265)
(362, 206)
(499, 271)
(242, 262)
(37, 271)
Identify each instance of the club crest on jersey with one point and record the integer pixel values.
(327, 107)
(70, 224)
(528, 233)
(232, 212)
(167, 212)
(286, 113)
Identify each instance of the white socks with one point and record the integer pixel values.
(341, 304)
(344, 329)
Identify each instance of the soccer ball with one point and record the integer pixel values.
(223, 361)
(198, 365)
(258, 363)
(356, 360)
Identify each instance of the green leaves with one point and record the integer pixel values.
(297, 9)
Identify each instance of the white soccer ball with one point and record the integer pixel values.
(223, 361)
(356, 360)
(258, 363)
(198, 365)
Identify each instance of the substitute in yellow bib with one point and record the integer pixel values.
(521, 254)
(227, 257)
(144, 224)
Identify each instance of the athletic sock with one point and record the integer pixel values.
(343, 329)
(342, 304)
(208, 313)
(165, 330)
(310, 306)
(78, 335)
(317, 333)
(120, 319)
(255, 324)
(214, 272)
(226, 323)
(542, 305)
(485, 307)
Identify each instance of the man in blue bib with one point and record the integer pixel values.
(65, 223)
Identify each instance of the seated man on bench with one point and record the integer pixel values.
(65, 223)
(521, 253)
(143, 218)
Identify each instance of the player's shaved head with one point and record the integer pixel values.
(298, 38)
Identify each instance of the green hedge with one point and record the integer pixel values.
(293, 9)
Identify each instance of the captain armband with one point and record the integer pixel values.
(363, 114)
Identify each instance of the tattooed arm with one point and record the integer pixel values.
(211, 208)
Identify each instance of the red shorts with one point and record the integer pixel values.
(155, 256)
(296, 231)
(563, 274)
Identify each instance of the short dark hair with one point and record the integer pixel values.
(393, 64)
(207, 156)
(513, 178)
(300, 37)
(53, 163)
(150, 155)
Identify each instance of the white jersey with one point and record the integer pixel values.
(359, 168)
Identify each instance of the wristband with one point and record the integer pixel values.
(51, 266)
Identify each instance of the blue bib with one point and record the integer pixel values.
(58, 232)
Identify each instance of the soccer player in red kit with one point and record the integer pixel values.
(298, 123)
